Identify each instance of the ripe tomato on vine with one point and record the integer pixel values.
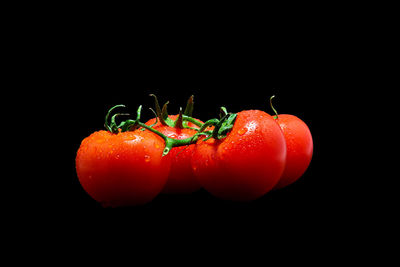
(181, 178)
(299, 144)
(247, 163)
(238, 156)
(122, 169)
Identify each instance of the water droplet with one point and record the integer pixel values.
(173, 135)
(147, 158)
(242, 131)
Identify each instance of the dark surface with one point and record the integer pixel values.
(70, 74)
(308, 82)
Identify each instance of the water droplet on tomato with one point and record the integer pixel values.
(242, 131)
(147, 158)
(173, 135)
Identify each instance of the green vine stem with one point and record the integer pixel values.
(221, 126)
(270, 103)
(192, 120)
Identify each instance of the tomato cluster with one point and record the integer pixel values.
(238, 157)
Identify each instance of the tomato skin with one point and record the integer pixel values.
(181, 179)
(247, 163)
(299, 148)
(123, 169)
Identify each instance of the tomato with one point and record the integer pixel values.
(247, 163)
(299, 148)
(181, 178)
(122, 169)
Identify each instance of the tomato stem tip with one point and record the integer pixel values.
(272, 107)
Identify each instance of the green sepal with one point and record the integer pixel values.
(164, 119)
(222, 112)
(160, 113)
(189, 107)
(227, 125)
(179, 121)
(224, 125)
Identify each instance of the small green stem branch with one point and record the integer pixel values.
(221, 126)
(171, 142)
(270, 103)
(192, 120)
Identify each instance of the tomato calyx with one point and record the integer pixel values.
(183, 117)
(189, 107)
(124, 126)
(221, 126)
(225, 124)
(162, 115)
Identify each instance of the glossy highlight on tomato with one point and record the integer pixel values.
(247, 163)
(122, 169)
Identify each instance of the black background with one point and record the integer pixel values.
(307, 71)
(67, 71)
(302, 86)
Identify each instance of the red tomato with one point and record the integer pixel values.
(299, 148)
(247, 163)
(122, 169)
(181, 178)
